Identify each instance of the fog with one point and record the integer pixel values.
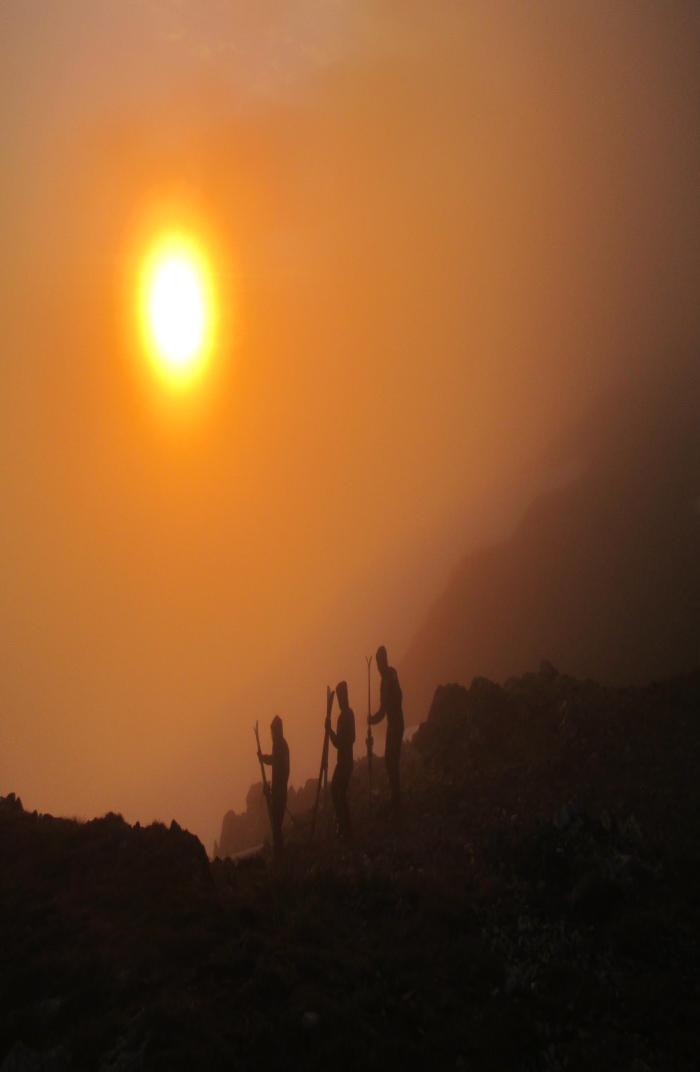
(444, 236)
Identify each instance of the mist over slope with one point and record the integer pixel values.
(601, 576)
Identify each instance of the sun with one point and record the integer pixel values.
(177, 308)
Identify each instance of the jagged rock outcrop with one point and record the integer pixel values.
(105, 856)
(544, 739)
(248, 829)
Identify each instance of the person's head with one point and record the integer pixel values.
(341, 691)
(382, 659)
(276, 727)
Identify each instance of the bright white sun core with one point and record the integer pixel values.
(177, 308)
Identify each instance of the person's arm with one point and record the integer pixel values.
(331, 733)
(374, 719)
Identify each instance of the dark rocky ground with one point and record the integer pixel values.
(539, 910)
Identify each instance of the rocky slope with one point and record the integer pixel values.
(539, 909)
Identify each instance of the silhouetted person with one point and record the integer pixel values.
(343, 740)
(391, 705)
(279, 761)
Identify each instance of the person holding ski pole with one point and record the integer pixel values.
(278, 759)
(391, 707)
(342, 739)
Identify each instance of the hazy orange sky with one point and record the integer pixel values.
(441, 231)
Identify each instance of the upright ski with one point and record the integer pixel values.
(266, 788)
(323, 773)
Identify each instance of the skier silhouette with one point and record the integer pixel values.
(343, 740)
(391, 706)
